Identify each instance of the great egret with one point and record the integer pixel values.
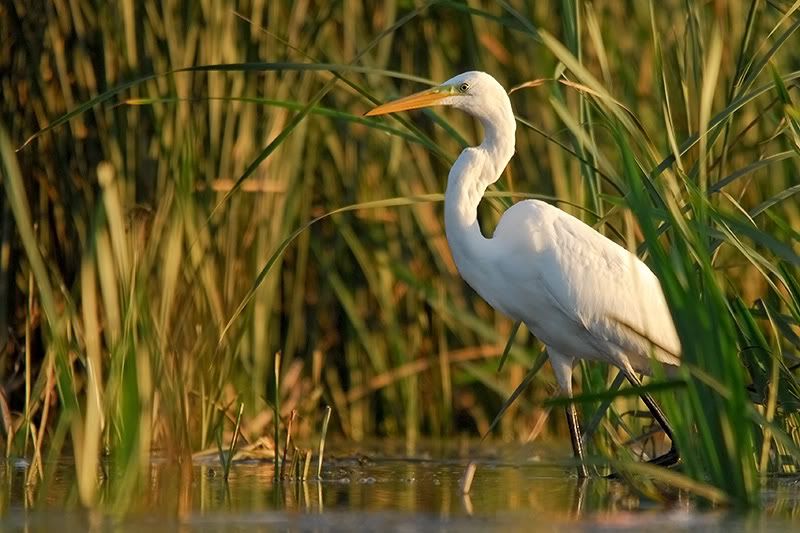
(581, 294)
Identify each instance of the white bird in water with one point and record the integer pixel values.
(581, 294)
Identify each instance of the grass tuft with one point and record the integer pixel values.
(199, 192)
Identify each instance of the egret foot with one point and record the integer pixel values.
(672, 457)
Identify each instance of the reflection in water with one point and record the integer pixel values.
(370, 490)
(580, 492)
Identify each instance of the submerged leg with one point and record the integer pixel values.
(562, 368)
(672, 456)
(575, 435)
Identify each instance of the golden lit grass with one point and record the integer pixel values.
(164, 251)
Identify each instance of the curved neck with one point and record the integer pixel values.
(474, 170)
(498, 140)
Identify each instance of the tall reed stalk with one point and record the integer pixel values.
(156, 246)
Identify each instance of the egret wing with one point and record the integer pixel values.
(602, 293)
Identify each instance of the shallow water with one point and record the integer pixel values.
(381, 487)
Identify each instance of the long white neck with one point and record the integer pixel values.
(474, 170)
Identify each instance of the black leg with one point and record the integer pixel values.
(672, 456)
(575, 435)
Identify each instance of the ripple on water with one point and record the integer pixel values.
(363, 489)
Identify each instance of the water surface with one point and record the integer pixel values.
(381, 487)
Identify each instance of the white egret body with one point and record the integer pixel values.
(581, 294)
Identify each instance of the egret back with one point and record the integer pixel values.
(579, 291)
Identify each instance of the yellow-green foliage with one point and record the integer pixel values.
(150, 267)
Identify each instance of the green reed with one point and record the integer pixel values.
(211, 196)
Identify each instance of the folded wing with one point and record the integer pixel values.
(601, 293)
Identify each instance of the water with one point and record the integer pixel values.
(380, 487)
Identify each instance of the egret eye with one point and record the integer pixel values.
(463, 87)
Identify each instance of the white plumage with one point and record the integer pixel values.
(581, 294)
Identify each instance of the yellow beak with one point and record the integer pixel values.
(426, 98)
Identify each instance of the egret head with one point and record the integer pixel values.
(475, 92)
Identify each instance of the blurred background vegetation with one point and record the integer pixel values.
(146, 280)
